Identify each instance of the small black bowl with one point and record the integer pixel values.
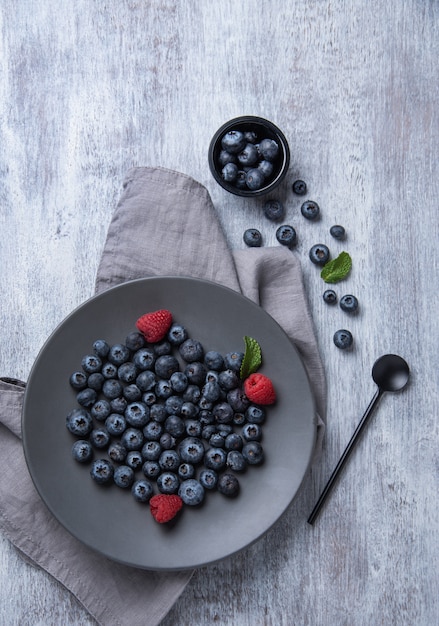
(263, 130)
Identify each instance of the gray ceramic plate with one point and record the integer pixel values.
(108, 519)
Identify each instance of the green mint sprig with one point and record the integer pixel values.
(252, 357)
(337, 269)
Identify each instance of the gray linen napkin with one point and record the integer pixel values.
(164, 224)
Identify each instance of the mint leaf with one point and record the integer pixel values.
(252, 357)
(337, 269)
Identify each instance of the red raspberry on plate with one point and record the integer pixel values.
(155, 325)
(165, 507)
(259, 389)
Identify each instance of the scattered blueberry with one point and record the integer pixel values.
(132, 439)
(99, 438)
(337, 231)
(115, 424)
(118, 453)
(209, 478)
(177, 334)
(87, 397)
(269, 149)
(274, 210)
(310, 210)
(118, 354)
(168, 482)
(91, 363)
(228, 485)
(252, 432)
(191, 350)
(82, 451)
(254, 179)
(349, 303)
(230, 172)
(319, 254)
(299, 187)
(252, 238)
(102, 471)
(134, 459)
(343, 339)
(234, 141)
(78, 381)
(236, 461)
(101, 348)
(248, 156)
(215, 458)
(214, 360)
(79, 422)
(253, 453)
(286, 235)
(191, 491)
(135, 341)
(142, 490)
(329, 296)
(123, 476)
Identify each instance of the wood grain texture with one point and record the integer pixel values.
(93, 88)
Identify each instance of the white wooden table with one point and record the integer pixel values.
(90, 89)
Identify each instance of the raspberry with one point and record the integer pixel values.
(259, 389)
(165, 507)
(155, 325)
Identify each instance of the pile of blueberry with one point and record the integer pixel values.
(246, 160)
(165, 417)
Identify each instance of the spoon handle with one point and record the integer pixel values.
(344, 457)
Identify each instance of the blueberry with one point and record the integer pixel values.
(168, 482)
(241, 180)
(248, 156)
(100, 410)
(132, 393)
(174, 404)
(137, 414)
(144, 359)
(239, 419)
(158, 412)
(101, 348)
(191, 350)
(96, 381)
(134, 459)
(185, 471)
(191, 492)
(179, 382)
(127, 372)
(79, 422)
(151, 469)
(286, 235)
(254, 179)
(252, 238)
(229, 172)
(234, 141)
(82, 451)
(217, 441)
(233, 442)
(191, 450)
(238, 400)
(146, 380)
(233, 361)
(78, 380)
(206, 417)
(343, 339)
(91, 363)
(177, 334)
(174, 425)
(115, 424)
(151, 451)
(205, 405)
(274, 210)
(208, 431)
(189, 410)
(299, 187)
(215, 458)
(112, 389)
(225, 157)
(117, 452)
(109, 370)
(192, 394)
(253, 453)
(223, 413)
(266, 168)
(228, 379)
(310, 210)
(102, 471)
(329, 296)
(163, 389)
(166, 365)
(250, 136)
(123, 476)
(255, 414)
(337, 231)
(228, 485)
(142, 490)
(132, 439)
(208, 478)
(195, 373)
(99, 438)
(86, 397)
(211, 391)
(118, 354)
(169, 460)
(153, 431)
(269, 149)
(236, 461)
(167, 441)
(118, 405)
(349, 303)
(149, 398)
(319, 254)
(162, 347)
(135, 341)
(252, 432)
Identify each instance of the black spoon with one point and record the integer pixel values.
(391, 373)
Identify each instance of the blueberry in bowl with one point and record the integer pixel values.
(249, 156)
